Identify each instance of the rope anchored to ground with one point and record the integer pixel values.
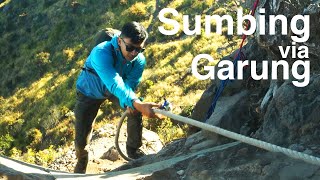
(254, 142)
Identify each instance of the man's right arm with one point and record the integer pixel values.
(116, 85)
(146, 108)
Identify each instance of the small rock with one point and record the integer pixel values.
(69, 114)
(102, 132)
(314, 148)
(69, 152)
(105, 169)
(112, 154)
(180, 173)
(96, 161)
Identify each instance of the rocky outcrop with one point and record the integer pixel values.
(293, 115)
(230, 114)
(283, 100)
(276, 111)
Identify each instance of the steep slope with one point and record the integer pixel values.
(44, 46)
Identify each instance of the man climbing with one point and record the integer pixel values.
(112, 71)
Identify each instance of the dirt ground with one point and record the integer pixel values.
(102, 154)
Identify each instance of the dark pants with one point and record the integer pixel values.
(85, 112)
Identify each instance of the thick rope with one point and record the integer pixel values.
(242, 138)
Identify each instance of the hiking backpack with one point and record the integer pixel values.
(104, 35)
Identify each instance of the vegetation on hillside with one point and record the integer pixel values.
(45, 43)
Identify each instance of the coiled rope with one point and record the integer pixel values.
(124, 115)
(242, 138)
(166, 105)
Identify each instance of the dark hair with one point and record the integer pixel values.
(135, 31)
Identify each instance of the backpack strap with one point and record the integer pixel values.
(114, 57)
(90, 70)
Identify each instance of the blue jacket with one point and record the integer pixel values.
(116, 76)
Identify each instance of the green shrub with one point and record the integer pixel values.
(46, 156)
(137, 12)
(15, 153)
(5, 143)
(187, 111)
(29, 156)
(168, 132)
(43, 58)
(34, 136)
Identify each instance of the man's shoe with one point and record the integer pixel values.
(81, 165)
(80, 168)
(134, 153)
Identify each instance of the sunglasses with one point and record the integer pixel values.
(130, 48)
